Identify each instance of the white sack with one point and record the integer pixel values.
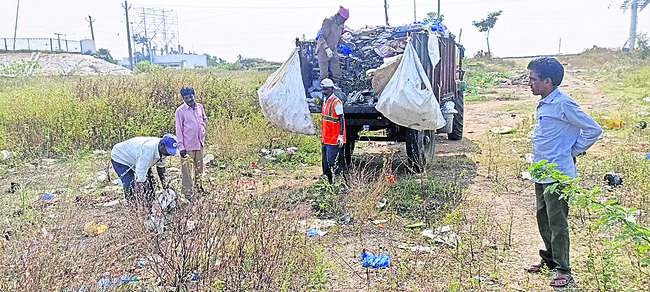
(434, 50)
(283, 100)
(403, 100)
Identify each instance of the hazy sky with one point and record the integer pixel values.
(268, 28)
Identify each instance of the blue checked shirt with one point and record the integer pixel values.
(562, 131)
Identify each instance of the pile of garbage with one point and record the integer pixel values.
(362, 50)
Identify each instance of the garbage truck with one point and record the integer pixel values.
(406, 81)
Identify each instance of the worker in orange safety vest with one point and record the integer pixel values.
(332, 131)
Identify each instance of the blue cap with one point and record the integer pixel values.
(187, 90)
(171, 143)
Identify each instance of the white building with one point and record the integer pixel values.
(189, 61)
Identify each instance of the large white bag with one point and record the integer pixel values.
(405, 102)
(283, 100)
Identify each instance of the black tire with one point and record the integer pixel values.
(457, 130)
(420, 148)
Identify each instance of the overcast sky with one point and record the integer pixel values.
(268, 28)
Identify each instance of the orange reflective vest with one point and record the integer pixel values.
(330, 122)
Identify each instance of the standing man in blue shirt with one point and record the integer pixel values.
(562, 132)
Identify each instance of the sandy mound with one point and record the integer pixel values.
(65, 64)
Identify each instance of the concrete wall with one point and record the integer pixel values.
(181, 60)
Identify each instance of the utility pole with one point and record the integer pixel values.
(128, 34)
(16, 27)
(438, 10)
(386, 11)
(415, 14)
(633, 22)
(58, 36)
(559, 49)
(92, 33)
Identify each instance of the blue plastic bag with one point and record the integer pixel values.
(344, 49)
(318, 34)
(373, 260)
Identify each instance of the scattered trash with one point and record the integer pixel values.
(195, 276)
(207, 158)
(643, 113)
(11, 170)
(641, 125)
(265, 151)
(117, 181)
(390, 178)
(379, 223)
(292, 149)
(276, 139)
(313, 231)
(223, 166)
(487, 243)
(318, 223)
(99, 152)
(101, 175)
(503, 130)
(647, 156)
(167, 199)
(621, 83)
(442, 235)
(370, 259)
(128, 278)
(614, 124)
(647, 98)
(414, 225)
(173, 169)
(528, 157)
(141, 263)
(155, 224)
(471, 131)
(104, 281)
(253, 164)
(6, 154)
(13, 187)
(381, 204)
(613, 179)
(526, 175)
(345, 219)
(251, 188)
(47, 196)
(428, 249)
(91, 228)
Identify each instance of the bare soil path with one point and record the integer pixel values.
(514, 204)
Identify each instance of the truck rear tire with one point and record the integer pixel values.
(457, 128)
(420, 148)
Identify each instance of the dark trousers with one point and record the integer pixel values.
(553, 224)
(332, 159)
(127, 175)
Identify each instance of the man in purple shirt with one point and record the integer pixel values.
(190, 131)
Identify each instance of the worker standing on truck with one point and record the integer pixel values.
(328, 42)
(562, 132)
(332, 131)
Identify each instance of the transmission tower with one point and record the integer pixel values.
(155, 31)
(635, 6)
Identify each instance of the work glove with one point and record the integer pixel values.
(329, 53)
(339, 141)
(183, 153)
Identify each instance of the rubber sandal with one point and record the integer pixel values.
(561, 280)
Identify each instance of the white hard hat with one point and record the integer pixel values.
(327, 83)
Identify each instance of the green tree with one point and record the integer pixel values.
(486, 24)
(431, 16)
(214, 61)
(106, 55)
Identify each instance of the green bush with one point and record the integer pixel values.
(50, 116)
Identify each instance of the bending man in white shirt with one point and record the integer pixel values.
(133, 160)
